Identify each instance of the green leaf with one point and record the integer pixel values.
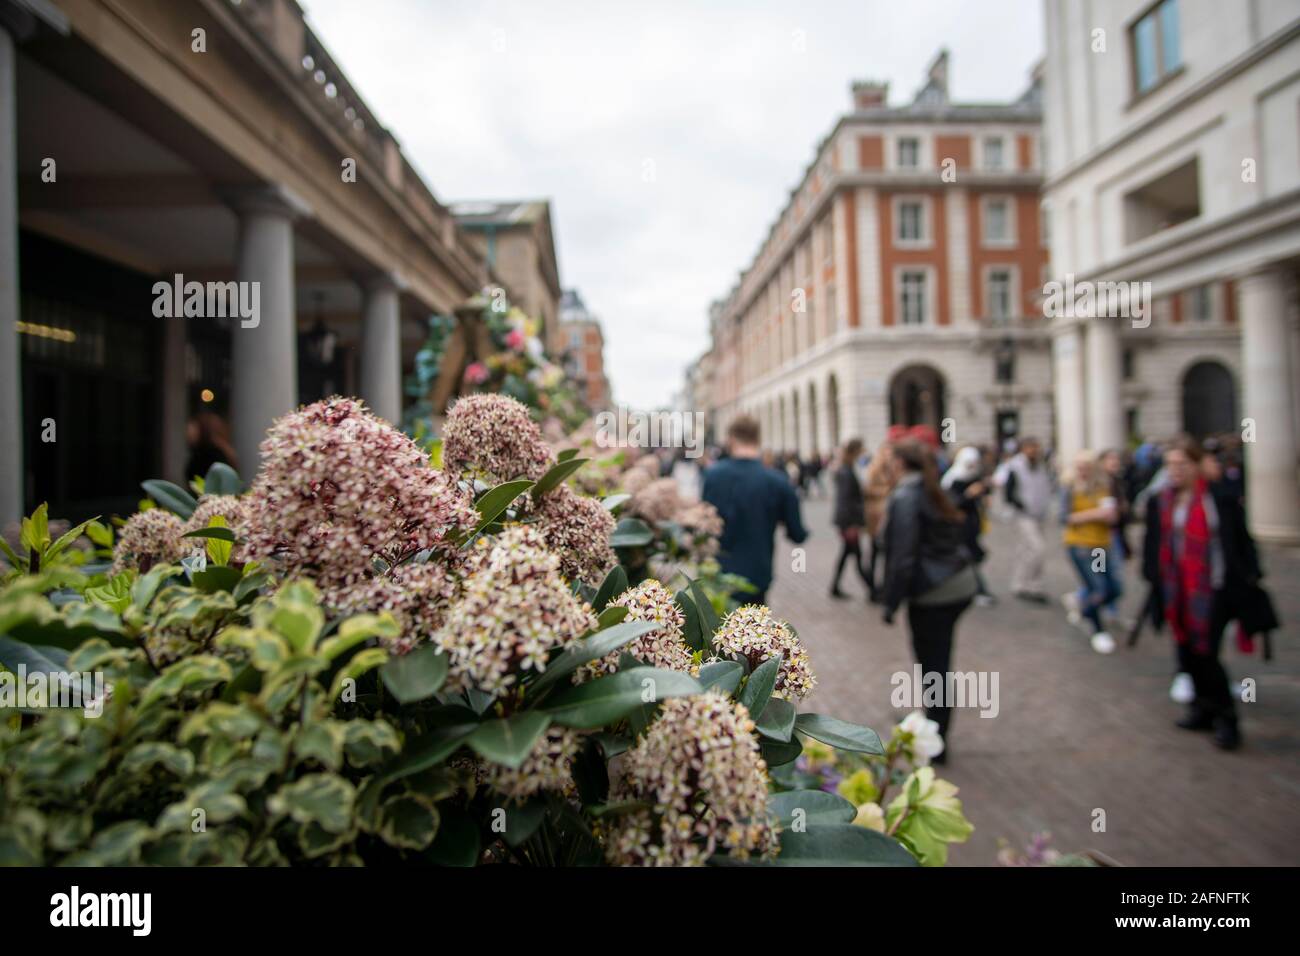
(35, 534)
(417, 675)
(708, 616)
(510, 740)
(692, 631)
(610, 698)
(612, 502)
(36, 658)
(170, 496)
(429, 749)
(216, 531)
(611, 616)
(777, 720)
(724, 675)
(631, 533)
(839, 733)
(591, 649)
(221, 479)
(66, 539)
(615, 583)
(818, 807)
(217, 577)
(777, 753)
(457, 842)
(841, 844)
(321, 798)
(250, 584)
(494, 502)
(758, 688)
(566, 454)
(522, 820)
(409, 822)
(557, 475)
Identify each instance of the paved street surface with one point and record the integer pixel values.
(1076, 730)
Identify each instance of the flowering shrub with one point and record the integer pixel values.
(925, 816)
(369, 659)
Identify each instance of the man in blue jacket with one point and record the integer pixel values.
(752, 500)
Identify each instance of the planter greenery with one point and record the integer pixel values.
(366, 660)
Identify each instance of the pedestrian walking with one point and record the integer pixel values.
(881, 476)
(1089, 513)
(1028, 491)
(927, 567)
(965, 484)
(849, 517)
(752, 500)
(1201, 563)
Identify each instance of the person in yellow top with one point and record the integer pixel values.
(1089, 512)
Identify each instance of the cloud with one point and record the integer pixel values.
(728, 101)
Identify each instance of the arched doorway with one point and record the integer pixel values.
(833, 410)
(917, 396)
(1209, 399)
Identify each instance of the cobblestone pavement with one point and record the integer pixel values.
(1076, 730)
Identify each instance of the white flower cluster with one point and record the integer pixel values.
(753, 633)
(665, 647)
(700, 769)
(513, 612)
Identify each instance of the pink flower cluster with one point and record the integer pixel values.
(340, 488)
(492, 437)
(700, 767)
(665, 647)
(577, 529)
(148, 538)
(753, 633)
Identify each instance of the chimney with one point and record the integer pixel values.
(868, 95)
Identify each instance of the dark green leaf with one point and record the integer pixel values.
(610, 616)
(222, 480)
(724, 675)
(841, 844)
(610, 698)
(417, 675)
(457, 842)
(708, 616)
(170, 496)
(612, 502)
(818, 807)
(777, 754)
(221, 534)
(217, 577)
(557, 474)
(778, 719)
(523, 819)
(631, 533)
(590, 649)
(839, 733)
(510, 740)
(758, 688)
(494, 502)
(615, 583)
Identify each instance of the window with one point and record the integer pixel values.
(1128, 364)
(1154, 45)
(993, 156)
(1200, 304)
(909, 152)
(997, 222)
(913, 298)
(1004, 366)
(911, 220)
(1166, 201)
(997, 295)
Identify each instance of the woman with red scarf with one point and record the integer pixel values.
(1201, 564)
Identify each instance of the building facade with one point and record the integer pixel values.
(1173, 158)
(583, 350)
(515, 240)
(899, 284)
(146, 144)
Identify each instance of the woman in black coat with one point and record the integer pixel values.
(1201, 563)
(928, 566)
(849, 517)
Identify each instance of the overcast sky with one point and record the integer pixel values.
(724, 102)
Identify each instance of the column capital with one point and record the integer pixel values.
(272, 199)
(1265, 273)
(384, 281)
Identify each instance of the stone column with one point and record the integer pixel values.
(1269, 383)
(1068, 386)
(1105, 400)
(11, 432)
(264, 349)
(381, 350)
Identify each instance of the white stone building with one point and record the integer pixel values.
(1172, 140)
